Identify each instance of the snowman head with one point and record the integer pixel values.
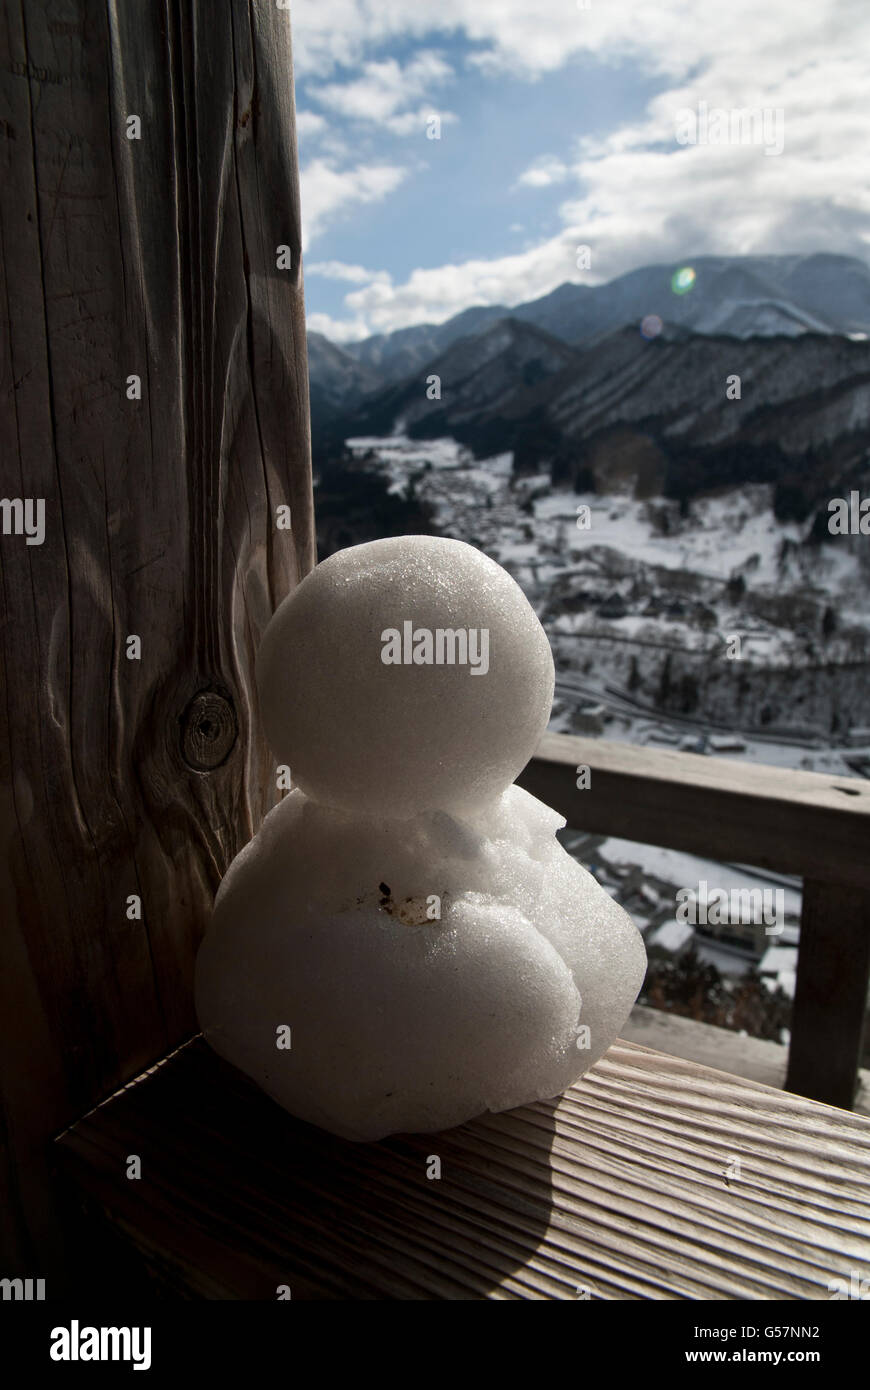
(405, 675)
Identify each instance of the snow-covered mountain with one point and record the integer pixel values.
(477, 378)
(741, 295)
(674, 416)
(747, 318)
(337, 381)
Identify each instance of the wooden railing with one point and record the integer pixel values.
(794, 822)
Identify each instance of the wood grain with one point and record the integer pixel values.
(804, 823)
(156, 258)
(620, 1187)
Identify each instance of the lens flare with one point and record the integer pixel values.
(651, 326)
(682, 280)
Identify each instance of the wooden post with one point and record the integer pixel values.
(830, 1001)
(154, 391)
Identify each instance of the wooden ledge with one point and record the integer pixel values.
(796, 822)
(777, 818)
(626, 1186)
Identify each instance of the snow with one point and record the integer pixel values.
(671, 936)
(399, 1023)
(688, 870)
(726, 532)
(400, 735)
(778, 958)
(779, 966)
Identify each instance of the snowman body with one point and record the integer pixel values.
(404, 944)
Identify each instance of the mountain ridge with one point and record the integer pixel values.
(831, 291)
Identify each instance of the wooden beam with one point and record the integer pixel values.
(154, 394)
(804, 823)
(830, 1002)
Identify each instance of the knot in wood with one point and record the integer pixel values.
(208, 731)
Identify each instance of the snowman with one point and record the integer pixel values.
(404, 944)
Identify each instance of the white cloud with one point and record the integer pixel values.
(434, 295)
(535, 39)
(340, 270)
(339, 330)
(645, 197)
(532, 38)
(544, 172)
(672, 38)
(328, 191)
(388, 95)
(309, 123)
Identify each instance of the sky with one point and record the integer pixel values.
(567, 124)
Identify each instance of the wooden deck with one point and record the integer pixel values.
(624, 1188)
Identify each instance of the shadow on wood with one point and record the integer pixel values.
(238, 1198)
